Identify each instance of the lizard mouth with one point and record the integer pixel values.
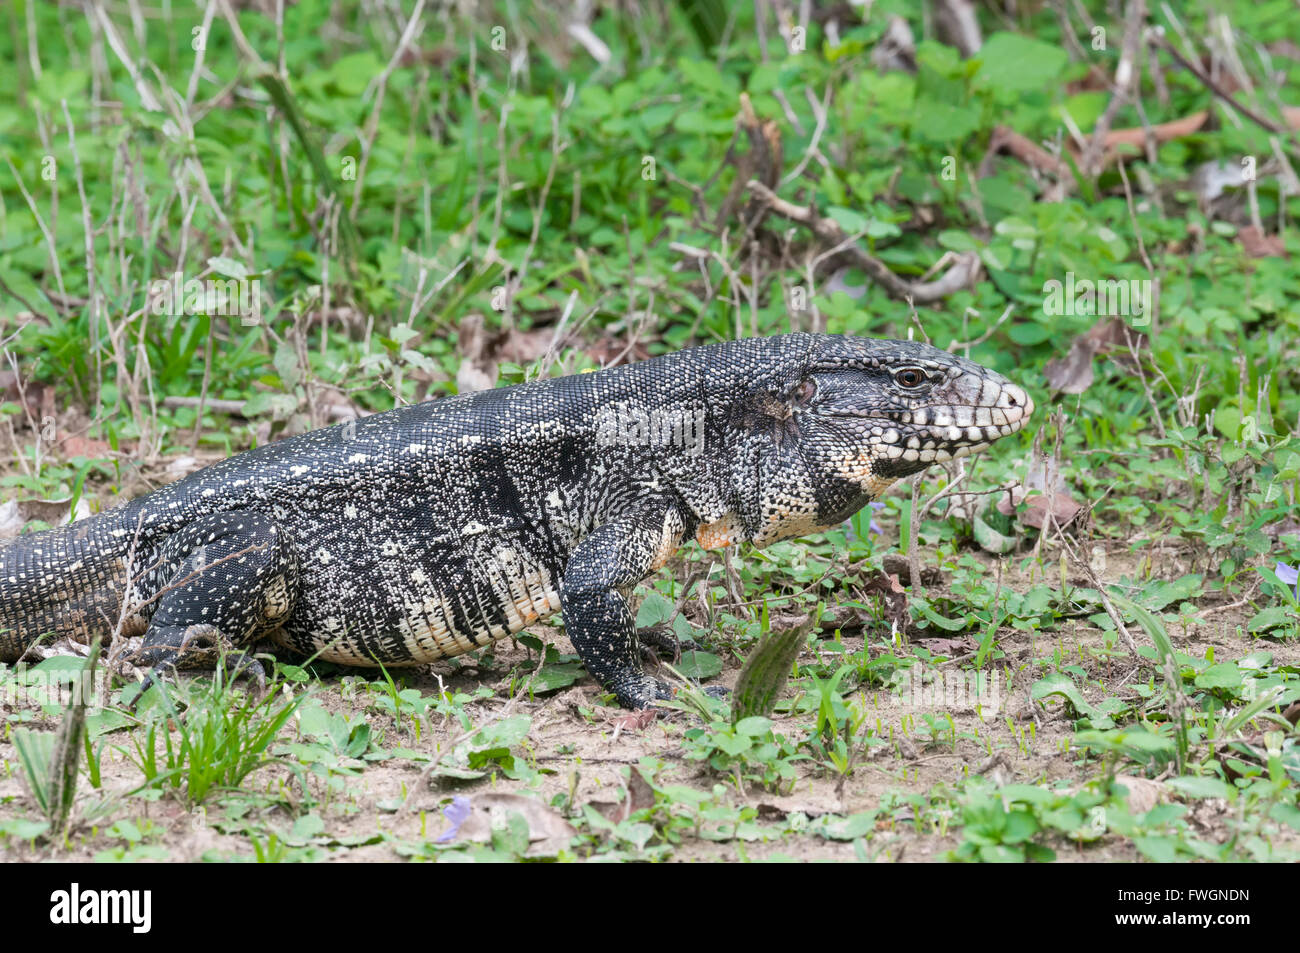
(942, 431)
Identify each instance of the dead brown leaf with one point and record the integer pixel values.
(1060, 508)
(77, 445)
(893, 598)
(1143, 793)
(1259, 245)
(15, 514)
(896, 564)
(1073, 373)
(634, 720)
(638, 795)
(548, 832)
(811, 805)
(946, 645)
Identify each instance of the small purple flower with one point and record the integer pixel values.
(875, 527)
(1290, 575)
(456, 813)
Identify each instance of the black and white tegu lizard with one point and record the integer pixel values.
(431, 530)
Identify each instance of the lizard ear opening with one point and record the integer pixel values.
(805, 392)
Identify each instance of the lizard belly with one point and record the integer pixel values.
(413, 601)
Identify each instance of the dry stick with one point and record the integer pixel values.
(477, 200)
(1146, 388)
(250, 548)
(1107, 604)
(1153, 306)
(1262, 121)
(40, 222)
(184, 125)
(96, 309)
(916, 320)
(700, 209)
(1076, 50)
(4, 345)
(330, 243)
(237, 34)
(1126, 77)
(116, 641)
(967, 345)
(830, 233)
(192, 89)
(790, 115)
(1028, 152)
(147, 97)
(557, 148)
(380, 86)
(947, 491)
(913, 557)
(1132, 214)
(821, 111)
(17, 447)
(27, 412)
(33, 49)
(502, 181)
(418, 303)
(25, 303)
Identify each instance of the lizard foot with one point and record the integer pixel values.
(640, 691)
(660, 641)
(198, 647)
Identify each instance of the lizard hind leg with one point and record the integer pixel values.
(219, 582)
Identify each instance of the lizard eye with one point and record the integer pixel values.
(805, 392)
(911, 377)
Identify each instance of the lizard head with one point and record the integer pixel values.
(856, 415)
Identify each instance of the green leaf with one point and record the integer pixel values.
(352, 73)
(699, 665)
(228, 267)
(1223, 675)
(1227, 420)
(848, 219)
(989, 539)
(754, 726)
(554, 677)
(108, 720)
(766, 671)
(1198, 787)
(845, 828)
(1058, 684)
(654, 609)
(1011, 64)
(1159, 593)
(23, 829)
(1029, 333)
(504, 733)
(1270, 618)
(943, 622)
(307, 827)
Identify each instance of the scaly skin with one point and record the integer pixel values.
(431, 530)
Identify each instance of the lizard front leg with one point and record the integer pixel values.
(593, 599)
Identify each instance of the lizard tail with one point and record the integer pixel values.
(64, 582)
